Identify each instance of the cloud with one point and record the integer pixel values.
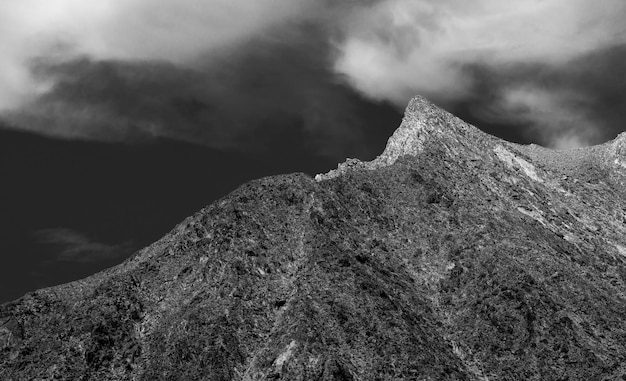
(424, 45)
(129, 30)
(238, 74)
(396, 48)
(578, 103)
(225, 74)
(72, 246)
(558, 116)
(245, 101)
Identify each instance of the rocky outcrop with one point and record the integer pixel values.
(452, 256)
(423, 121)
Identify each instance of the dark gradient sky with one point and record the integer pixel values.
(118, 121)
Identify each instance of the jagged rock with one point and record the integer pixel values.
(452, 256)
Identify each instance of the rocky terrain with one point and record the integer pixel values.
(452, 256)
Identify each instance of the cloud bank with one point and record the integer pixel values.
(127, 30)
(229, 74)
(232, 73)
(396, 48)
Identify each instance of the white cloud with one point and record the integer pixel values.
(396, 48)
(132, 30)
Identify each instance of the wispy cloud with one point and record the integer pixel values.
(70, 245)
(554, 114)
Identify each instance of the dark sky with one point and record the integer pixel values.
(71, 208)
(119, 119)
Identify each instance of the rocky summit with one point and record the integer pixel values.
(452, 256)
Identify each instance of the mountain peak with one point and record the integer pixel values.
(423, 121)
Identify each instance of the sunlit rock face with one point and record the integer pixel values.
(452, 256)
(618, 150)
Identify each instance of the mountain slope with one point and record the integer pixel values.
(452, 256)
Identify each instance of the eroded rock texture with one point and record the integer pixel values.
(452, 256)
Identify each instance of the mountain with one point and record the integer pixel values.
(452, 256)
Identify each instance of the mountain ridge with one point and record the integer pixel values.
(452, 256)
(424, 120)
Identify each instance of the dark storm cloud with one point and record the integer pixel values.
(240, 99)
(243, 89)
(71, 246)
